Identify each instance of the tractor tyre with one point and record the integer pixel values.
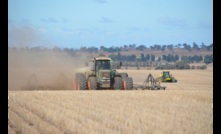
(75, 84)
(92, 83)
(81, 82)
(128, 83)
(118, 83)
(123, 75)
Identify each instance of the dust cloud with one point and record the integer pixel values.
(45, 68)
(31, 65)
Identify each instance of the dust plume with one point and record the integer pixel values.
(29, 64)
(47, 67)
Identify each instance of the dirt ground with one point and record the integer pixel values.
(184, 107)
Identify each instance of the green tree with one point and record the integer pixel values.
(164, 57)
(170, 47)
(193, 67)
(152, 57)
(176, 58)
(141, 47)
(142, 57)
(203, 46)
(195, 46)
(103, 48)
(159, 59)
(163, 48)
(182, 65)
(118, 56)
(147, 57)
(137, 65)
(208, 59)
(126, 65)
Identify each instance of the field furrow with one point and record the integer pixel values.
(10, 130)
(19, 124)
(42, 125)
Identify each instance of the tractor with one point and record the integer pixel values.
(165, 76)
(100, 74)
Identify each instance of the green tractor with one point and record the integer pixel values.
(99, 74)
(165, 76)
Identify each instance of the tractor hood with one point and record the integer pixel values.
(104, 74)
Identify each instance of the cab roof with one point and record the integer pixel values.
(102, 58)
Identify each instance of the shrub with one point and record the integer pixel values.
(193, 67)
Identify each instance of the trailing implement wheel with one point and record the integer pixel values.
(118, 83)
(92, 83)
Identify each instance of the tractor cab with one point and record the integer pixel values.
(102, 64)
(166, 76)
(103, 71)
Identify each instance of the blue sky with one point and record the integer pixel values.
(78, 23)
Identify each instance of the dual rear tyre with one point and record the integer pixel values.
(81, 83)
(92, 83)
(128, 83)
(125, 83)
(118, 83)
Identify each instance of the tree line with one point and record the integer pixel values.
(180, 65)
(169, 47)
(130, 58)
(168, 58)
(129, 47)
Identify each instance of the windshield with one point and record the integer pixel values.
(166, 74)
(102, 64)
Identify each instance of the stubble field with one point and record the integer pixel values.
(184, 107)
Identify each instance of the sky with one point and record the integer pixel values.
(86, 23)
